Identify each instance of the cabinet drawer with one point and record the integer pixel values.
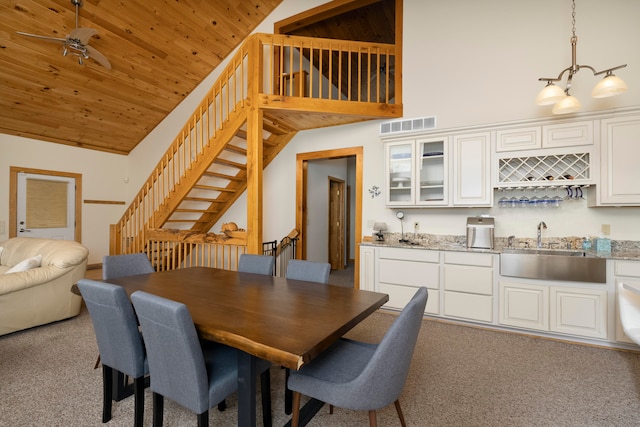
(468, 306)
(399, 296)
(627, 268)
(567, 134)
(518, 139)
(475, 280)
(469, 258)
(409, 273)
(410, 254)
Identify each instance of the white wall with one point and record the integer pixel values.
(103, 178)
(466, 62)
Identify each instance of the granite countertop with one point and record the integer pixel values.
(620, 250)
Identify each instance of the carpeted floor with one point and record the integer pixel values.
(342, 277)
(460, 376)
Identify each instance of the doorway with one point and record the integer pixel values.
(302, 160)
(45, 204)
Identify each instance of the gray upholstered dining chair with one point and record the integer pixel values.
(125, 265)
(119, 341)
(308, 270)
(259, 264)
(362, 376)
(195, 375)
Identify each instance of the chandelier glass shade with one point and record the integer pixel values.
(563, 102)
(611, 85)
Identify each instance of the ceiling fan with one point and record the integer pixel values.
(77, 42)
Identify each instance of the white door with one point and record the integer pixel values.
(46, 206)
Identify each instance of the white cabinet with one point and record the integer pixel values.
(619, 171)
(558, 154)
(400, 272)
(576, 311)
(472, 169)
(524, 305)
(439, 171)
(561, 309)
(468, 285)
(367, 268)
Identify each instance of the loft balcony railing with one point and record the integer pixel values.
(264, 66)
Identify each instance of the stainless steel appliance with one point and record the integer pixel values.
(480, 231)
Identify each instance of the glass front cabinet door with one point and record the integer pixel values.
(400, 175)
(417, 172)
(431, 172)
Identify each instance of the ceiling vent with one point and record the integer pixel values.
(407, 125)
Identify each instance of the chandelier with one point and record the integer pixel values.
(564, 102)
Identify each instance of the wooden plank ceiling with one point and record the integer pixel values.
(159, 51)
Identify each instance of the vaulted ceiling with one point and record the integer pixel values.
(159, 52)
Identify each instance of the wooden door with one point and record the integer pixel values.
(336, 223)
(45, 204)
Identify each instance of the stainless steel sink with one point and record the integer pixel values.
(551, 264)
(556, 252)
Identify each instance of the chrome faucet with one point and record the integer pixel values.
(541, 226)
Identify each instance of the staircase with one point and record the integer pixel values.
(273, 87)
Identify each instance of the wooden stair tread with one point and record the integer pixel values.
(200, 211)
(231, 163)
(212, 188)
(224, 176)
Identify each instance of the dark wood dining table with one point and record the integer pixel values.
(287, 322)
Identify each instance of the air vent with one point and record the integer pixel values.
(407, 125)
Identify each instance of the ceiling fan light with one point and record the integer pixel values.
(550, 94)
(569, 104)
(611, 85)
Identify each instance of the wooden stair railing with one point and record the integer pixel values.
(204, 170)
(172, 249)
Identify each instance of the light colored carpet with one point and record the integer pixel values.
(342, 277)
(460, 376)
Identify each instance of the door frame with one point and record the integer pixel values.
(302, 160)
(13, 197)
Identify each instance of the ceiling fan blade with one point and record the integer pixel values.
(47, 38)
(98, 57)
(82, 34)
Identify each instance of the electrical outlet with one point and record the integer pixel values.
(606, 229)
(416, 226)
(370, 223)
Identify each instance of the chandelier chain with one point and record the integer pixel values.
(573, 18)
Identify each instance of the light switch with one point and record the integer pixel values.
(3, 227)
